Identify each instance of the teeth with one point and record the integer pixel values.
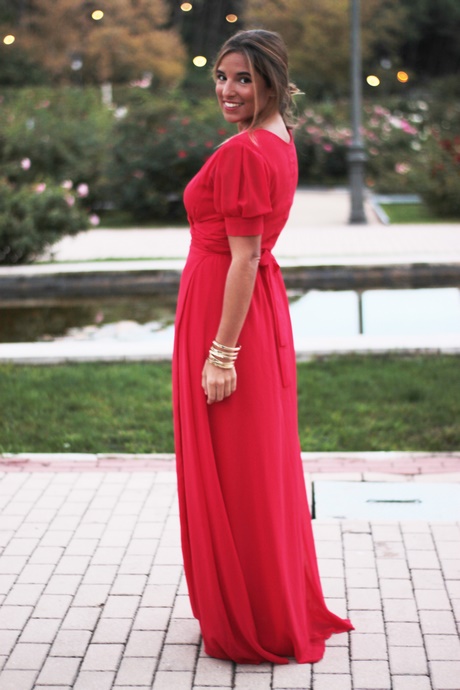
(231, 105)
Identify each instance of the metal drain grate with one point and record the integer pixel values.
(386, 501)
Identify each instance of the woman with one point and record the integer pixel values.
(248, 548)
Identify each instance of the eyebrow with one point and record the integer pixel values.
(238, 74)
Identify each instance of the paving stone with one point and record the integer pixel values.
(100, 574)
(178, 658)
(367, 621)
(159, 595)
(445, 675)
(442, 647)
(422, 559)
(146, 643)
(72, 565)
(52, 606)
(361, 577)
(35, 574)
(213, 672)
(59, 670)
(17, 680)
(364, 599)
(129, 584)
(432, 599)
(81, 547)
(404, 634)
(427, 579)
(112, 630)
(402, 610)
(25, 594)
(368, 646)
(14, 617)
(102, 657)
(451, 569)
(63, 584)
(71, 643)
(137, 671)
(94, 680)
(8, 639)
(292, 676)
(411, 683)
(392, 568)
(121, 606)
(396, 589)
(136, 564)
(370, 675)
(91, 595)
(182, 608)
(331, 681)
(335, 660)
(165, 575)
(437, 623)
(27, 656)
(179, 680)
(417, 542)
(152, 618)
(81, 618)
(360, 559)
(410, 660)
(108, 555)
(12, 565)
(183, 631)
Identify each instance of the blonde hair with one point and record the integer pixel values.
(266, 54)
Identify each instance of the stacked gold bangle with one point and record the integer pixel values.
(223, 356)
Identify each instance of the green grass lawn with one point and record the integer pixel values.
(412, 213)
(345, 404)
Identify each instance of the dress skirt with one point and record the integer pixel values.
(247, 541)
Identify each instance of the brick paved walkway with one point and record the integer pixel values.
(92, 591)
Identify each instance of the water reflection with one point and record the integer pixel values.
(433, 311)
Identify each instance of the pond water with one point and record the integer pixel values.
(316, 313)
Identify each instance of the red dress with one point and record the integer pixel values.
(247, 541)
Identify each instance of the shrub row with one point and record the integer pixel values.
(138, 156)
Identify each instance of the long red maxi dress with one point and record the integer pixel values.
(247, 541)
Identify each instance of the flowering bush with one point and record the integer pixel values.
(393, 142)
(157, 148)
(439, 181)
(34, 216)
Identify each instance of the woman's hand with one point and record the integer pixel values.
(217, 383)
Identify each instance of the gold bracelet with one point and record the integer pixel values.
(218, 363)
(226, 348)
(222, 355)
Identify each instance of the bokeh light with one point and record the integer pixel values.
(232, 18)
(8, 40)
(97, 15)
(199, 61)
(186, 6)
(402, 76)
(373, 80)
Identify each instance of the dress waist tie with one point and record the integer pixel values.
(269, 268)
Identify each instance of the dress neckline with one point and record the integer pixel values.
(288, 143)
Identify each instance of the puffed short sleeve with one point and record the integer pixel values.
(242, 188)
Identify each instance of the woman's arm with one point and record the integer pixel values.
(220, 383)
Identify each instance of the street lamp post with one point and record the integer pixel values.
(356, 153)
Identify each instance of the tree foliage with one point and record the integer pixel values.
(317, 33)
(128, 42)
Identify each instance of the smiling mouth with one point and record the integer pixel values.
(231, 105)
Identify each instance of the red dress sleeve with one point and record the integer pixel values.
(242, 188)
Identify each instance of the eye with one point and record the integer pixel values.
(220, 77)
(245, 80)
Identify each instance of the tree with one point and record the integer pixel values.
(318, 38)
(129, 41)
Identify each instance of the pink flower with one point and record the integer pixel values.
(138, 174)
(70, 200)
(402, 168)
(327, 147)
(40, 187)
(82, 190)
(67, 184)
(94, 219)
(182, 154)
(25, 163)
(209, 144)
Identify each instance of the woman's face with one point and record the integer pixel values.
(236, 91)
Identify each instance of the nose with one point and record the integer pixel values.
(228, 88)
